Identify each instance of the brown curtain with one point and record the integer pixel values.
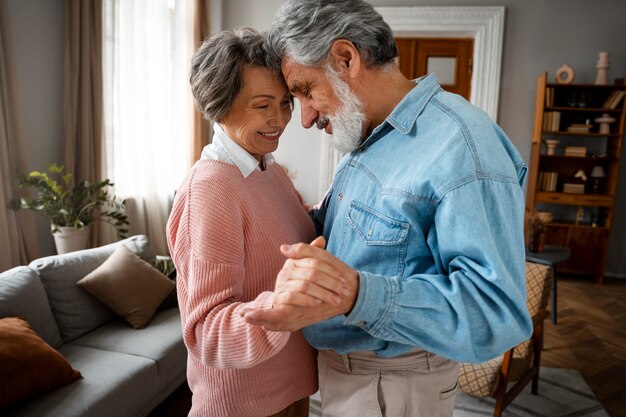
(83, 102)
(201, 127)
(17, 229)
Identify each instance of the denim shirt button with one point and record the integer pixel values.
(362, 323)
(340, 196)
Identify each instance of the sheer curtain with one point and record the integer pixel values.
(148, 108)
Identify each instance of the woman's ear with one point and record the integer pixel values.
(345, 58)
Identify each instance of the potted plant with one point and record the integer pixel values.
(71, 209)
(535, 228)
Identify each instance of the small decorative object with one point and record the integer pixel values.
(602, 77)
(535, 228)
(564, 74)
(597, 173)
(580, 213)
(582, 101)
(580, 174)
(595, 217)
(551, 146)
(605, 120)
(572, 102)
(71, 209)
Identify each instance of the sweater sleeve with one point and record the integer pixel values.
(206, 234)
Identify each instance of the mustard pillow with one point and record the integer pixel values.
(29, 365)
(129, 286)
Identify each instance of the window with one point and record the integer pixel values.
(148, 120)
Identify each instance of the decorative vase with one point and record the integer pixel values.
(537, 242)
(602, 77)
(70, 239)
(551, 146)
(605, 122)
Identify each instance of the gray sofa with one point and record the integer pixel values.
(125, 372)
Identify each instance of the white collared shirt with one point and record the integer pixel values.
(224, 149)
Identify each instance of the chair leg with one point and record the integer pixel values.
(498, 408)
(537, 347)
(500, 393)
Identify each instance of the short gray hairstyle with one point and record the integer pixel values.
(304, 30)
(217, 69)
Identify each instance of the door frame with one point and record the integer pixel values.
(485, 24)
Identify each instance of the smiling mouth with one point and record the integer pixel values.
(270, 135)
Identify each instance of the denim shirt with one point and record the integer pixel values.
(429, 211)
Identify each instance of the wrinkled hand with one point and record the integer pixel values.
(312, 286)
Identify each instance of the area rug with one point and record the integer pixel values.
(562, 393)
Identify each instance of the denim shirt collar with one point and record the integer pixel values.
(404, 115)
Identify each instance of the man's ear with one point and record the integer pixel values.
(345, 58)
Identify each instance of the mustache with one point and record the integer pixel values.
(322, 122)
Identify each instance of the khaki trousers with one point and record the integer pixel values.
(298, 409)
(360, 384)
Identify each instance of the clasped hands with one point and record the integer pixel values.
(312, 286)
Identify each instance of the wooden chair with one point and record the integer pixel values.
(521, 363)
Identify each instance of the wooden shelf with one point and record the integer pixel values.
(586, 200)
(588, 244)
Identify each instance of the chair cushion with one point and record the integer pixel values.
(29, 365)
(129, 286)
(76, 311)
(538, 282)
(481, 380)
(22, 294)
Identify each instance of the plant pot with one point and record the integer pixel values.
(70, 239)
(537, 243)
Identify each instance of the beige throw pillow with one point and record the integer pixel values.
(129, 286)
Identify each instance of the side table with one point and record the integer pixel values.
(552, 255)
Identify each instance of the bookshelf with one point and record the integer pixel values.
(575, 161)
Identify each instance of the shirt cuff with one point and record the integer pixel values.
(374, 304)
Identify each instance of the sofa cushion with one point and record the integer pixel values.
(22, 294)
(161, 341)
(113, 385)
(77, 312)
(129, 286)
(29, 365)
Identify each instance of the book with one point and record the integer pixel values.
(617, 99)
(573, 188)
(578, 151)
(609, 100)
(551, 121)
(578, 128)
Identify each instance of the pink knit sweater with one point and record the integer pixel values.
(224, 234)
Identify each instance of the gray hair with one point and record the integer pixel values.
(217, 69)
(304, 30)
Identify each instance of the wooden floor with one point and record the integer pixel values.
(590, 336)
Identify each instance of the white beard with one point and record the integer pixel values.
(349, 119)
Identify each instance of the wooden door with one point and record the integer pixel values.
(449, 58)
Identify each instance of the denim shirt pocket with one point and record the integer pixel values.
(374, 242)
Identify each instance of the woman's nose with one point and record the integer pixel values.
(280, 118)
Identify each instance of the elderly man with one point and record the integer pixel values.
(424, 222)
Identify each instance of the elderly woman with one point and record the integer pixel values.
(231, 214)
